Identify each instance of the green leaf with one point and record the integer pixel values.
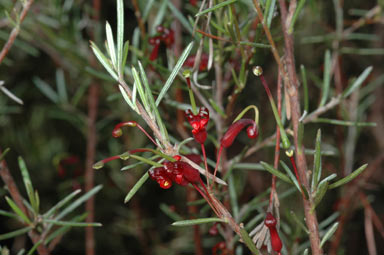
(170, 213)
(15, 233)
(46, 89)
(34, 247)
(120, 36)
(17, 210)
(104, 61)
(248, 166)
(185, 223)
(320, 193)
(64, 229)
(61, 86)
(72, 223)
(295, 15)
(326, 78)
(217, 6)
(274, 171)
(291, 175)
(7, 214)
(78, 202)
(299, 222)
(61, 203)
(126, 97)
(28, 184)
(136, 187)
(348, 178)
(4, 153)
(175, 71)
(328, 220)
(329, 233)
(178, 15)
(305, 88)
(151, 100)
(143, 95)
(357, 83)
(362, 51)
(317, 162)
(344, 122)
(125, 56)
(161, 11)
(111, 44)
(248, 241)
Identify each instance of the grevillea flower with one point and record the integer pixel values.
(235, 129)
(271, 222)
(164, 35)
(198, 122)
(159, 174)
(179, 172)
(232, 132)
(190, 62)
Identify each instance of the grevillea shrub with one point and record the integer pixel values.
(239, 127)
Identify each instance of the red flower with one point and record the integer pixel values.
(271, 222)
(198, 123)
(166, 36)
(179, 172)
(190, 62)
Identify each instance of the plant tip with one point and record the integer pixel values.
(98, 165)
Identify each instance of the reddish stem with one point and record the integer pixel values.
(117, 132)
(205, 163)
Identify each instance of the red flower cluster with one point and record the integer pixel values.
(179, 172)
(271, 222)
(165, 35)
(198, 122)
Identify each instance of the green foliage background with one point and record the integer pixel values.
(51, 66)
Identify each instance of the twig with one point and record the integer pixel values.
(360, 22)
(139, 19)
(332, 103)
(93, 101)
(212, 36)
(15, 31)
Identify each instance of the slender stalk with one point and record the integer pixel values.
(292, 89)
(15, 30)
(93, 101)
(139, 19)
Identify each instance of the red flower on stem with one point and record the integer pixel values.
(190, 62)
(270, 221)
(166, 36)
(198, 122)
(232, 132)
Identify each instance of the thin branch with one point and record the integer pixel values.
(139, 19)
(15, 31)
(93, 101)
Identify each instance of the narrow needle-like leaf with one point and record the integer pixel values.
(175, 71)
(357, 83)
(136, 187)
(184, 223)
(329, 233)
(217, 6)
(276, 172)
(17, 210)
(326, 78)
(348, 178)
